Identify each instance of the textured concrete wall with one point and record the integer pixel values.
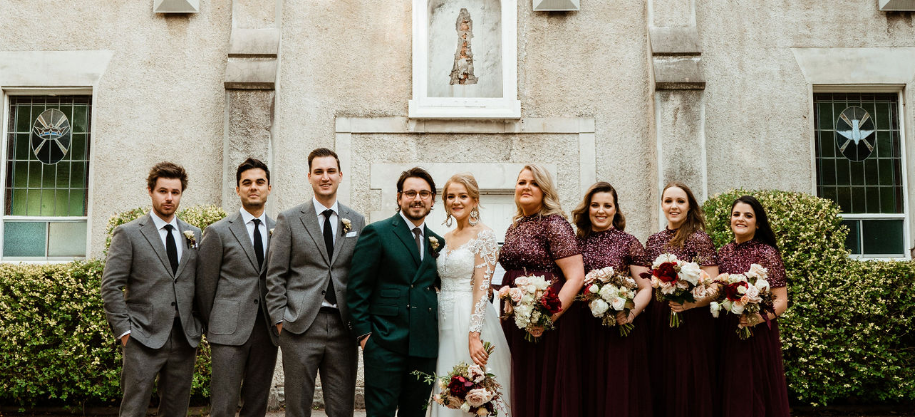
(580, 64)
(758, 127)
(161, 97)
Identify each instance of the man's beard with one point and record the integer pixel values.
(412, 217)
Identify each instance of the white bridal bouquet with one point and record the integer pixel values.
(745, 294)
(532, 303)
(677, 281)
(608, 293)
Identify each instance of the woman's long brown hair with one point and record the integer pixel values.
(581, 215)
(695, 218)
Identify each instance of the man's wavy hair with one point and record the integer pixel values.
(166, 170)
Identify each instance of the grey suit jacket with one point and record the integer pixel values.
(152, 294)
(230, 285)
(298, 265)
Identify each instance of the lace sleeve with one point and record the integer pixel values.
(487, 251)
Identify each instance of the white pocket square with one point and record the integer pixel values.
(351, 234)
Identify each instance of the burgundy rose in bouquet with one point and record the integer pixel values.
(745, 294)
(677, 281)
(468, 388)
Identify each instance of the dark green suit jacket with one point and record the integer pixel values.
(391, 292)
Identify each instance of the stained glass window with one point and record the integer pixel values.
(47, 165)
(859, 166)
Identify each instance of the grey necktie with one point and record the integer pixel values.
(419, 241)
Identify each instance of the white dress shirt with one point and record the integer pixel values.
(180, 240)
(422, 233)
(248, 218)
(319, 209)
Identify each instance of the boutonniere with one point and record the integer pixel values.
(347, 225)
(191, 242)
(433, 242)
(271, 231)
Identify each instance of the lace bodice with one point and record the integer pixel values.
(466, 273)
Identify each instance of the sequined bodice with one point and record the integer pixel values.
(736, 258)
(697, 248)
(534, 243)
(612, 247)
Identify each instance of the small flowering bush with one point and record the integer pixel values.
(58, 348)
(849, 331)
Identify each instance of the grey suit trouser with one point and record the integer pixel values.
(327, 346)
(173, 362)
(244, 371)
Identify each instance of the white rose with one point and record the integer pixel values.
(690, 272)
(476, 373)
(736, 278)
(715, 308)
(727, 304)
(759, 271)
(526, 299)
(668, 289)
(598, 307)
(737, 308)
(762, 285)
(608, 292)
(478, 397)
(593, 289)
(516, 295)
(664, 257)
(699, 292)
(741, 290)
(618, 303)
(522, 281)
(465, 407)
(753, 293)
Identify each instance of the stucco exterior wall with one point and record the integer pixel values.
(161, 97)
(569, 65)
(758, 115)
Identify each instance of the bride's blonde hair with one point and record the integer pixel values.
(469, 182)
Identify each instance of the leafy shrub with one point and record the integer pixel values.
(848, 333)
(58, 348)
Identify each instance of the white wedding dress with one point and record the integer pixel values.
(464, 307)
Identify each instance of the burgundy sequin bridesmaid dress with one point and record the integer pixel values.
(614, 369)
(682, 361)
(545, 374)
(752, 379)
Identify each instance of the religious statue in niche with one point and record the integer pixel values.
(462, 71)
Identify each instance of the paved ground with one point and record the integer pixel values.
(316, 413)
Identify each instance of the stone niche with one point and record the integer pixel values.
(465, 59)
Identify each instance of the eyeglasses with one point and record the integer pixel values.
(411, 194)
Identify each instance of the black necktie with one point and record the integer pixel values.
(258, 243)
(170, 248)
(419, 241)
(330, 295)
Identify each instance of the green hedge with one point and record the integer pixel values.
(57, 347)
(848, 333)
